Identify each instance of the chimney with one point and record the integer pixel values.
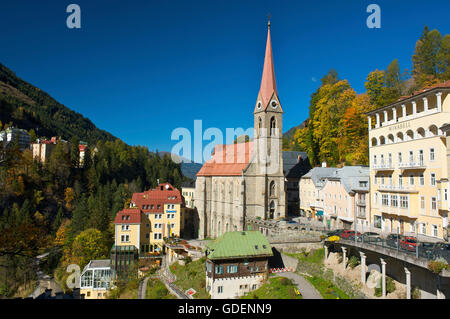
(324, 164)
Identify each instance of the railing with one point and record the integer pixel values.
(361, 202)
(412, 164)
(396, 188)
(383, 166)
(421, 250)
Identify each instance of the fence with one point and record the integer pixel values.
(408, 245)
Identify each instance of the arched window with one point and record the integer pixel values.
(433, 130)
(272, 210)
(391, 138)
(374, 141)
(382, 140)
(400, 136)
(272, 189)
(420, 132)
(273, 125)
(410, 135)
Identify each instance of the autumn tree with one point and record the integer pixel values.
(88, 245)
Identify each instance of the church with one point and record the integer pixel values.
(249, 180)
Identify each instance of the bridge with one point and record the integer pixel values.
(408, 266)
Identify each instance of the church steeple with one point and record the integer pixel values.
(268, 84)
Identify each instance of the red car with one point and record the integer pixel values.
(348, 234)
(408, 243)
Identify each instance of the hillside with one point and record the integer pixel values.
(26, 106)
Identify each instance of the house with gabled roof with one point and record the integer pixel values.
(237, 263)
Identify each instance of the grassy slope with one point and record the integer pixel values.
(326, 288)
(192, 275)
(157, 290)
(276, 288)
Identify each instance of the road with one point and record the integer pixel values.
(306, 289)
(44, 280)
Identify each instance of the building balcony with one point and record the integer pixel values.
(399, 211)
(361, 214)
(383, 167)
(417, 164)
(361, 202)
(397, 188)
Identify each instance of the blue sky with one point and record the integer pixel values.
(140, 69)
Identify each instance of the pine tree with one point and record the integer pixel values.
(425, 60)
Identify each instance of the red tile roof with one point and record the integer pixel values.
(228, 160)
(128, 216)
(164, 194)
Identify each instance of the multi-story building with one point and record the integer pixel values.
(344, 195)
(409, 166)
(188, 191)
(13, 134)
(153, 215)
(237, 263)
(43, 148)
(337, 196)
(310, 185)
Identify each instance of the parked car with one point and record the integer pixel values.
(408, 243)
(441, 249)
(369, 237)
(425, 249)
(348, 234)
(392, 239)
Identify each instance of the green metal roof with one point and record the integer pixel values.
(239, 244)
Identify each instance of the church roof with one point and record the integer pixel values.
(268, 83)
(228, 160)
(295, 164)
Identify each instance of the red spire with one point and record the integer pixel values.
(268, 84)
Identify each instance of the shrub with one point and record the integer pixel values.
(390, 287)
(416, 294)
(353, 262)
(437, 265)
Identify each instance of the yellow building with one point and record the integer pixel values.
(409, 165)
(153, 215)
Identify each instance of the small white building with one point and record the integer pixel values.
(95, 280)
